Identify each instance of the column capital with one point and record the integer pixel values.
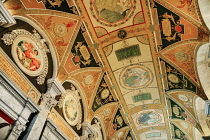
(48, 100)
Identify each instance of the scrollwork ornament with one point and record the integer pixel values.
(61, 100)
(29, 52)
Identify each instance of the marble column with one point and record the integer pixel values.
(17, 128)
(48, 101)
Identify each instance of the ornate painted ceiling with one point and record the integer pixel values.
(134, 62)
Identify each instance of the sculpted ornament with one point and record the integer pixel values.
(29, 52)
(48, 100)
(71, 107)
(97, 127)
(18, 127)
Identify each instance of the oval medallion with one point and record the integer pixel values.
(136, 77)
(148, 118)
(28, 55)
(71, 109)
(173, 78)
(181, 56)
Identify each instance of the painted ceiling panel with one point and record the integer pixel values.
(110, 15)
(183, 56)
(60, 30)
(133, 61)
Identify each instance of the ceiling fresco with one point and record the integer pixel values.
(130, 63)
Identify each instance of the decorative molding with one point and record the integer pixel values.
(54, 130)
(6, 20)
(62, 124)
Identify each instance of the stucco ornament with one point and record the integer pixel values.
(29, 52)
(71, 107)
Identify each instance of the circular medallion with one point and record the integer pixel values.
(122, 34)
(181, 56)
(173, 78)
(148, 118)
(28, 56)
(60, 30)
(71, 109)
(136, 76)
(178, 28)
(104, 93)
(89, 79)
(112, 13)
(183, 97)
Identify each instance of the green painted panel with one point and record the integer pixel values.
(157, 134)
(128, 52)
(140, 97)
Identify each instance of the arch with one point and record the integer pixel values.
(203, 67)
(204, 6)
(48, 42)
(199, 108)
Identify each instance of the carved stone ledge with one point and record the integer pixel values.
(55, 87)
(87, 131)
(6, 20)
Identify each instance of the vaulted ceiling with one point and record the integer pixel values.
(134, 61)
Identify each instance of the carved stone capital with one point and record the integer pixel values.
(18, 127)
(48, 100)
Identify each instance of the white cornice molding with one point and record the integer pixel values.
(55, 87)
(6, 19)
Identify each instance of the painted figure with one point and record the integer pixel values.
(28, 56)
